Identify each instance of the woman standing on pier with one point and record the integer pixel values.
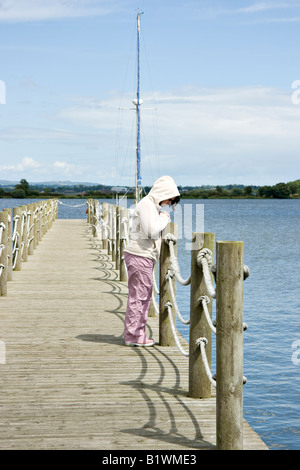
(142, 253)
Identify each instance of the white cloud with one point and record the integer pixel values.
(36, 10)
(64, 167)
(25, 164)
(246, 135)
(28, 162)
(250, 111)
(34, 170)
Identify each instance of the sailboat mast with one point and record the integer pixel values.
(138, 103)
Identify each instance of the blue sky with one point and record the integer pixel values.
(223, 77)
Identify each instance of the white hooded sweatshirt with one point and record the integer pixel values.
(149, 221)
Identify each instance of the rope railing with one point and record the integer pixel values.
(202, 342)
(169, 308)
(204, 261)
(205, 300)
(174, 301)
(171, 240)
(221, 282)
(21, 230)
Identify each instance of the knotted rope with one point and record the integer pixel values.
(204, 260)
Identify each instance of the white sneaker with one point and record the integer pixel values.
(148, 342)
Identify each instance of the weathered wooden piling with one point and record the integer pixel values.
(199, 384)
(24, 233)
(9, 244)
(3, 251)
(17, 218)
(30, 216)
(117, 244)
(94, 216)
(104, 229)
(166, 337)
(124, 228)
(229, 364)
(152, 309)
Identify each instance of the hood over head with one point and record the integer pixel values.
(162, 189)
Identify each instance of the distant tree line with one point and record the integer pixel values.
(278, 191)
(20, 191)
(24, 190)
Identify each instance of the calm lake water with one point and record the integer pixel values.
(270, 230)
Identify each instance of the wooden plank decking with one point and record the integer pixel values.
(69, 382)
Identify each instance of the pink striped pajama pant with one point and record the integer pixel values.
(140, 284)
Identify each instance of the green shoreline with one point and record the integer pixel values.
(23, 190)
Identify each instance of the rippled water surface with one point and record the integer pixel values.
(270, 230)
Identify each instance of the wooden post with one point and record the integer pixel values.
(124, 214)
(56, 209)
(30, 215)
(105, 220)
(229, 298)
(88, 210)
(94, 216)
(117, 241)
(17, 215)
(39, 222)
(166, 337)
(152, 311)
(3, 256)
(9, 244)
(24, 234)
(109, 247)
(45, 218)
(35, 226)
(199, 384)
(113, 233)
(49, 214)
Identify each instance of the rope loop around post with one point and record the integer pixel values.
(171, 240)
(204, 253)
(204, 260)
(202, 342)
(205, 300)
(169, 237)
(169, 275)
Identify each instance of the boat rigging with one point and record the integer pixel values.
(137, 103)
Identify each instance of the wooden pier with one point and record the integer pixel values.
(68, 381)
